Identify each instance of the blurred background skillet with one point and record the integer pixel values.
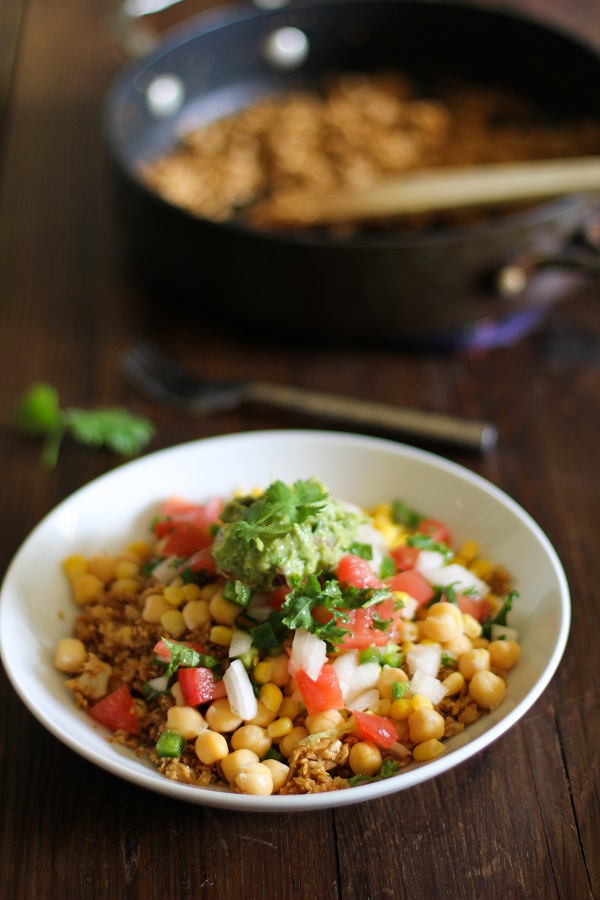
(450, 285)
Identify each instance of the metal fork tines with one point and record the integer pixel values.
(163, 380)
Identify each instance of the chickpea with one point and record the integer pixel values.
(251, 737)
(324, 721)
(472, 661)
(220, 716)
(211, 747)
(223, 611)
(487, 689)
(471, 627)
(388, 676)
(459, 645)
(290, 741)
(255, 779)
(187, 720)
(504, 654)
(365, 758)
(264, 716)
(425, 724)
(443, 622)
(279, 772)
(70, 655)
(279, 669)
(233, 763)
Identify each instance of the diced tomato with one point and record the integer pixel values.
(199, 685)
(322, 693)
(277, 596)
(117, 711)
(405, 557)
(436, 530)
(187, 527)
(376, 728)
(478, 608)
(413, 583)
(201, 561)
(354, 571)
(164, 654)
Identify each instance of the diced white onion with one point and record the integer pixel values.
(259, 607)
(159, 684)
(364, 701)
(429, 559)
(239, 691)
(365, 677)
(368, 534)
(345, 665)
(166, 570)
(240, 643)
(309, 653)
(425, 658)
(461, 578)
(398, 750)
(410, 607)
(423, 683)
(504, 632)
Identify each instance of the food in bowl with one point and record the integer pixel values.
(285, 642)
(352, 131)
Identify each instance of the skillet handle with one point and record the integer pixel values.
(436, 427)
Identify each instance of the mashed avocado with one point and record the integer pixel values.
(290, 530)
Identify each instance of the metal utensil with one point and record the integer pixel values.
(163, 380)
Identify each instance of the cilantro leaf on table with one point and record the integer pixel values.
(40, 414)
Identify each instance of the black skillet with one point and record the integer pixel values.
(449, 287)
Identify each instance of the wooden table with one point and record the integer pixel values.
(521, 819)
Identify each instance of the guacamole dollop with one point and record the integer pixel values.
(289, 530)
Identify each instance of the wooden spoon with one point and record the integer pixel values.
(431, 190)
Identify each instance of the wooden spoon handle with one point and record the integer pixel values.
(430, 190)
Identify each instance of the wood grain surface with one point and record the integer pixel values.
(520, 820)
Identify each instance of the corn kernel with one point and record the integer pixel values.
(402, 708)
(86, 588)
(407, 646)
(174, 595)
(271, 696)
(140, 548)
(289, 708)
(453, 683)
(124, 568)
(262, 672)
(280, 727)
(173, 622)
(154, 607)
(126, 586)
(483, 568)
(196, 613)
(469, 551)
(191, 591)
(381, 707)
(428, 750)
(103, 566)
(221, 635)
(420, 700)
(75, 565)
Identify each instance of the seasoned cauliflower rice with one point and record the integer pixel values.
(284, 642)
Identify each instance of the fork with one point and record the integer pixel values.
(161, 379)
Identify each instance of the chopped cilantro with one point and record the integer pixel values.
(388, 768)
(448, 660)
(365, 551)
(426, 542)
(402, 514)
(181, 655)
(387, 567)
(501, 617)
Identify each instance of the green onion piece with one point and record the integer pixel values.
(370, 654)
(399, 689)
(237, 592)
(392, 656)
(170, 743)
(263, 636)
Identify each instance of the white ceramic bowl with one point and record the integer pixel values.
(36, 609)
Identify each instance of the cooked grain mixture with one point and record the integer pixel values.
(287, 643)
(355, 131)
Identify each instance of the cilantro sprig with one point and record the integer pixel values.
(40, 414)
(388, 768)
(280, 508)
(182, 655)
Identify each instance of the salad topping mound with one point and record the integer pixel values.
(285, 642)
